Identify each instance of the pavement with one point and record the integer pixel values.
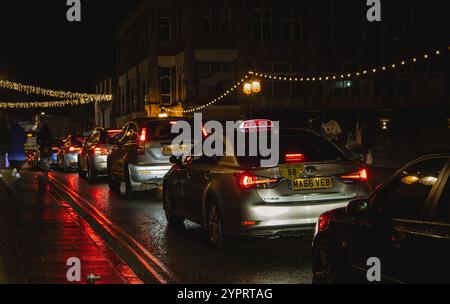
(39, 232)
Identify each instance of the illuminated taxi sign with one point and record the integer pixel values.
(256, 125)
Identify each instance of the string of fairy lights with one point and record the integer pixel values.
(252, 75)
(68, 98)
(74, 98)
(45, 104)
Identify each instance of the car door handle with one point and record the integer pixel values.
(189, 176)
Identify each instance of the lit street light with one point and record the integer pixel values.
(249, 89)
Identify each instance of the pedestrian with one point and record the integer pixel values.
(4, 141)
(16, 151)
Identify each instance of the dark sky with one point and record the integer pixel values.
(47, 50)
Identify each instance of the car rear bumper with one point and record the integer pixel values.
(100, 163)
(283, 219)
(71, 160)
(148, 177)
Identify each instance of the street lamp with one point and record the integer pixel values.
(249, 89)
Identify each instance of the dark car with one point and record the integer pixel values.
(404, 224)
(92, 159)
(140, 156)
(234, 196)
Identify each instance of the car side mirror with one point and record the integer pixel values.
(358, 208)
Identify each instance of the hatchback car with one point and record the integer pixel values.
(235, 196)
(141, 155)
(404, 225)
(92, 160)
(68, 153)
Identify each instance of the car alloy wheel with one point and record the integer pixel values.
(214, 225)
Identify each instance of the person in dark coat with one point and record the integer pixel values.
(45, 138)
(4, 141)
(16, 151)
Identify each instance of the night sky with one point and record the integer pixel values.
(44, 49)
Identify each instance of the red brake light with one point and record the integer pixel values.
(247, 180)
(101, 151)
(71, 149)
(361, 175)
(143, 136)
(294, 158)
(323, 222)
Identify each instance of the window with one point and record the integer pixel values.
(206, 67)
(262, 25)
(333, 25)
(166, 85)
(225, 21)
(206, 22)
(406, 195)
(292, 25)
(165, 30)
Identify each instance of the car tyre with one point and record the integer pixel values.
(81, 173)
(129, 192)
(329, 265)
(91, 173)
(113, 184)
(214, 224)
(171, 217)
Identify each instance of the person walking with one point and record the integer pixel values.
(16, 151)
(4, 141)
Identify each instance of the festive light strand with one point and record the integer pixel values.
(29, 89)
(45, 104)
(312, 78)
(232, 89)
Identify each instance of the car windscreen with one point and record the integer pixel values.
(162, 130)
(77, 141)
(305, 147)
(108, 137)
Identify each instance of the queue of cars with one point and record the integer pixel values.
(404, 223)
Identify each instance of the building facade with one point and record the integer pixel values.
(188, 52)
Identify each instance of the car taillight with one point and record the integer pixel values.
(361, 175)
(101, 151)
(143, 136)
(323, 223)
(247, 180)
(294, 158)
(142, 140)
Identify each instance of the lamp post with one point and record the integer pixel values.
(251, 89)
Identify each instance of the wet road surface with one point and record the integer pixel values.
(185, 251)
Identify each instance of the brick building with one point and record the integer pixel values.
(190, 51)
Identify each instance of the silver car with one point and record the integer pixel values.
(141, 155)
(92, 160)
(68, 153)
(235, 196)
